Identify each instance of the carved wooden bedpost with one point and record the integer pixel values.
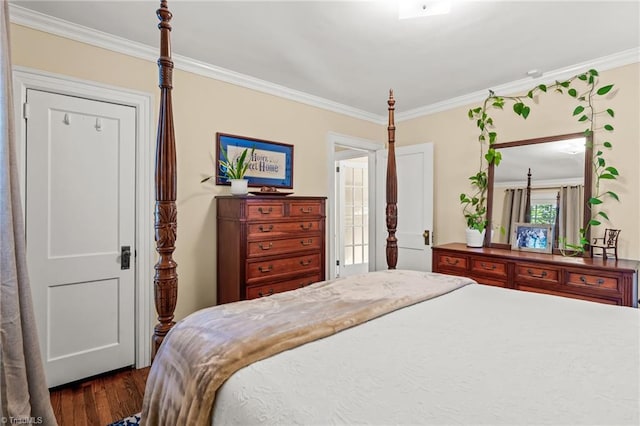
(392, 189)
(165, 279)
(527, 200)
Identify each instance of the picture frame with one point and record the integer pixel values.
(271, 164)
(536, 237)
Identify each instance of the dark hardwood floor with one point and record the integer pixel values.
(100, 400)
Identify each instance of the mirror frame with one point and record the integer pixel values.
(588, 181)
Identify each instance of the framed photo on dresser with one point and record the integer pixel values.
(532, 237)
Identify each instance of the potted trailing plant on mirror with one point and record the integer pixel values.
(235, 169)
(475, 209)
(582, 88)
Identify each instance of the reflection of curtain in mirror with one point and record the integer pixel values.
(571, 212)
(512, 211)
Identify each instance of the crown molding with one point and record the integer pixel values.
(29, 18)
(39, 21)
(615, 60)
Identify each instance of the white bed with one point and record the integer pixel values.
(478, 355)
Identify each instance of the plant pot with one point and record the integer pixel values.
(239, 186)
(475, 238)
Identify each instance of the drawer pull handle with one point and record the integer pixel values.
(265, 247)
(306, 210)
(265, 229)
(269, 293)
(265, 269)
(451, 262)
(306, 243)
(491, 267)
(532, 274)
(306, 228)
(265, 211)
(305, 262)
(598, 282)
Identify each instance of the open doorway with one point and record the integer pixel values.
(352, 215)
(352, 205)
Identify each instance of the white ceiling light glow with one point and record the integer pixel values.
(416, 9)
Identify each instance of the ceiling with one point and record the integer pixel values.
(352, 52)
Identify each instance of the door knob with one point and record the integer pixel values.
(426, 234)
(125, 257)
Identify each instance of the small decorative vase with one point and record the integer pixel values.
(239, 186)
(475, 238)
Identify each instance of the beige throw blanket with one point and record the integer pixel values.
(207, 347)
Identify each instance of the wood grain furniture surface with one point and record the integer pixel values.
(599, 280)
(268, 244)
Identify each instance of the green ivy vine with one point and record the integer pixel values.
(582, 88)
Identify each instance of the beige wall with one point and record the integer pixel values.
(457, 152)
(202, 107)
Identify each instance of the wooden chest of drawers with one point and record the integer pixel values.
(606, 281)
(268, 244)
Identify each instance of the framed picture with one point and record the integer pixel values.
(532, 237)
(271, 164)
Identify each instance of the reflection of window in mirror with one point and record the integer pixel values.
(543, 206)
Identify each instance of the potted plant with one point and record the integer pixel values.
(475, 209)
(235, 169)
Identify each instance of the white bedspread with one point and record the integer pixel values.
(479, 355)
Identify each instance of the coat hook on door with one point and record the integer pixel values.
(99, 124)
(65, 120)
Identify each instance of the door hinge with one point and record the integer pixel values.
(337, 169)
(25, 110)
(337, 263)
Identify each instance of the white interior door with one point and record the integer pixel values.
(80, 214)
(414, 165)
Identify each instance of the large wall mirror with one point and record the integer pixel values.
(540, 181)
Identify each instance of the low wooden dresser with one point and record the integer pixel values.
(606, 281)
(268, 244)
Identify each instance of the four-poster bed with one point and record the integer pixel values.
(385, 347)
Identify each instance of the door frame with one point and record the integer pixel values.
(28, 78)
(337, 139)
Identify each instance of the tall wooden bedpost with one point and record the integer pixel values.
(392, 189)
(527, 200)
(165, 279)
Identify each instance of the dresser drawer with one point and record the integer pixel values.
(451, 261)
(613, 301)
(595, 281)
(289, 245)
(254, 292)
(490, 281)
(265, 210)
(262, 230)
(305, 209)
(261, 270)
(489, 267)
(537, 273)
